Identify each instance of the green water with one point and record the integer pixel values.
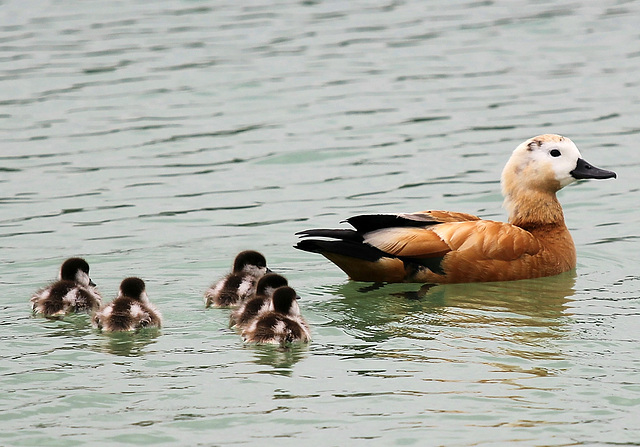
(158, 139)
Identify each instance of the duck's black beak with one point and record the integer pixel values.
(91, 283)
(269, 270)
(585, 170)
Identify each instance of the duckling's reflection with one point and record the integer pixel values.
(128, 344)
(73, 326)
(525, 312)
(78, 327)
(280, 358)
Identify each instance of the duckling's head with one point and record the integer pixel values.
(269, 283)
(76, 270)
(133, 288)
(284, 301)
(548, 163)
(250, 262)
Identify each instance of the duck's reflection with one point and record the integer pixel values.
(73, 326)
(128, 344)
(280, 358)
(522, 315)
(78, 328)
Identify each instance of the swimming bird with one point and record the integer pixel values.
(281, 325)
(260, 302)
(72, 292)
(129, 311)
(248, 267)
(451, 247)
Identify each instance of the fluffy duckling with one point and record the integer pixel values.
(72, 292)
(283, 324)
(260, 303)
(130, 310)
(248, 267)
(449, 247)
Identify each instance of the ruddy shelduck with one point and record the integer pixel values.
(450, 247)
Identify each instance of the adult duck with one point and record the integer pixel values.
(451, 247)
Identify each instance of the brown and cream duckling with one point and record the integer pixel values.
(281, 325)
(259, 303)
(129, 311)
(72, 292)
(248, 267)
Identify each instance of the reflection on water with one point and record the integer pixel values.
(281, 359)
(521, 315)
(74, 326)
(538, 302)
(77, 327)
(128, 344)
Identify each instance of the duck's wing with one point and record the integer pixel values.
(152, 317)
(480, 239)
(87, 300)
(366, 223)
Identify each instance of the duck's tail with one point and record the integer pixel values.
(347, 249)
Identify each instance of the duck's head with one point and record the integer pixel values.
(269, 283)
(77, 270)
(133, 288)
(284, 301)
(547, 163)
(250, 262)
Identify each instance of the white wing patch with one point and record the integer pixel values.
(246, 288)
(137, 311)
(70, 298)
(213, 291)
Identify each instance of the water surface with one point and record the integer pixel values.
(158, 139)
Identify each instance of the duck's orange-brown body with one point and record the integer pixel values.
(450, 247)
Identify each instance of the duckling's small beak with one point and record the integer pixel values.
(269, 270)
(91, 283)
(584, 170)
(297, 297)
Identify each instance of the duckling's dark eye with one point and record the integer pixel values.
(555, 153)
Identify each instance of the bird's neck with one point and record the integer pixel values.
(534, 209)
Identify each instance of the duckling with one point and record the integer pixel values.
(259, 303)
(281, 325)
(248, 267)
(72, 292)
(451, 247)
(130, 310)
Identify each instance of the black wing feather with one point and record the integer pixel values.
(365, 223)
(345, 248)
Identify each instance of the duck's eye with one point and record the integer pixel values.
(555, 153)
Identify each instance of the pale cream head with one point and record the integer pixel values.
(542, 163)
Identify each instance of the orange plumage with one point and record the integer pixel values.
(451, 247)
